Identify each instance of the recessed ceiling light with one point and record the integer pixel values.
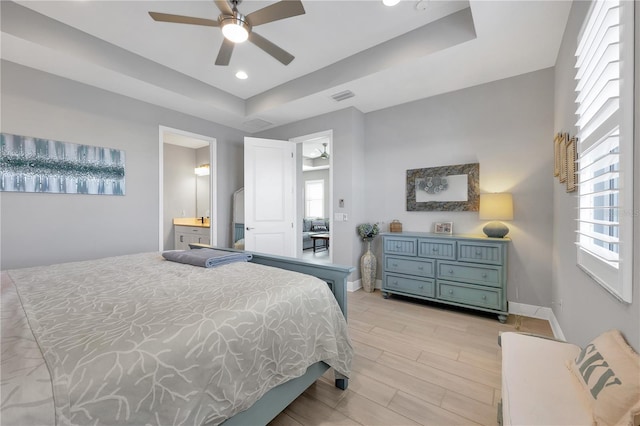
(390, 2)
(242, 75)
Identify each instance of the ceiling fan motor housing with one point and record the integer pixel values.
(239, 20)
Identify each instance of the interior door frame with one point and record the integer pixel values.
(213, 188)
(299, 200)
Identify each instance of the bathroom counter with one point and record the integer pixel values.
(191, 221)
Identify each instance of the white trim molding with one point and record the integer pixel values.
(539, 312)
(357, 285)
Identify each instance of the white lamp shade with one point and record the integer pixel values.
(496, 206)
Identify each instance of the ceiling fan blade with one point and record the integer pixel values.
(273, 50)
(224, 55)
(179, 19)
(224, 7)
(281, 10)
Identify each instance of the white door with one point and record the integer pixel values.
(269, 179)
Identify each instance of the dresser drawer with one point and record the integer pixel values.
(196, 230)
(401, 246)
(470, 295)
(467, 272)
(423, 268)
(418, 286)
(437, 249)
(480, 252)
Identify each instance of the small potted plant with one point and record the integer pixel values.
(368, 232)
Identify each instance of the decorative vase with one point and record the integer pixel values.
(368, 269)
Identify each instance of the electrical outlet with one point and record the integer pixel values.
(345, 217)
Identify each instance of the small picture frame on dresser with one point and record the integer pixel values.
(443, 228)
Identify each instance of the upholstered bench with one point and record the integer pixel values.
(548, 382)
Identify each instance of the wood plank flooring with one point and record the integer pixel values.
(415, 364)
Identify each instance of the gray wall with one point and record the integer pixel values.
(348, 174)
(179, 188)
(505, 126)
(39, 229)
(587, 309)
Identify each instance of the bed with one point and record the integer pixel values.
(137, 339)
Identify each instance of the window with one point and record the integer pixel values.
(314, 198)
(605, 150)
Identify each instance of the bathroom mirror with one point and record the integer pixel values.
(202, 195)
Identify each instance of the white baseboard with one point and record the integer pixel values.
(555, 327)
(357, 285)
(539, 312)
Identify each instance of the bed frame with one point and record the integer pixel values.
(277, 399)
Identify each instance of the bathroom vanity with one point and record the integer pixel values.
(191, 230)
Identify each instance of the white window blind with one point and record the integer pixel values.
(604, 75)
(314, 198)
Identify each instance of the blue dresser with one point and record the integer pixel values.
(468, 271)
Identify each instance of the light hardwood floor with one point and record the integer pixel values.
(415, 364)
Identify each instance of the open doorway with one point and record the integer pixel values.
(187, 199)
(315, 203)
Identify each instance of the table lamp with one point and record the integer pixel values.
(496, 207)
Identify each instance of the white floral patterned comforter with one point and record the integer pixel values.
(138, 340)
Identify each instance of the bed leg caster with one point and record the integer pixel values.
(341, 381)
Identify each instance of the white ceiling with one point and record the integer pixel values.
(385, 55)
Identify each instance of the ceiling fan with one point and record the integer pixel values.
(237, 27)
(324, 154)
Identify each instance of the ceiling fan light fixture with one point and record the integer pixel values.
(390, 2)
(324, 155)
(235, 28)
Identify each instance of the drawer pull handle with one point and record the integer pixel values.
(450, 291)
(435, 249)
(451, 271)
(420, 268)
(484, 275)
(395, 283)
(421, 287)
(484, 297)
(398, 246)
(478, 252)
(395, 265)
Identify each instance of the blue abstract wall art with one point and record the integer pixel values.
(41, 165)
